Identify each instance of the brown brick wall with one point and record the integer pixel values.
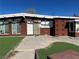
(23, 28)
(44, 31)
(77, 34)
(60, 29)
(10, 28)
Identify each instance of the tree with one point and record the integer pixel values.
(74, 15)
(31, 11)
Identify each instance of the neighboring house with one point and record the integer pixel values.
(34, 24)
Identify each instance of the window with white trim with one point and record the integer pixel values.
(71, 26)
(46, 24)
(15, 27)
(77, 26)
(4, 27)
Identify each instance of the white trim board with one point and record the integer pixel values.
(35, 15)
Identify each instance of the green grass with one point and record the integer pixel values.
(55, 48)
(8, 43)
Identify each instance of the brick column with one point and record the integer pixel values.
(23, 28)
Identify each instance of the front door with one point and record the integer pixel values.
(29, 28)
(71, 29)
(36, 28)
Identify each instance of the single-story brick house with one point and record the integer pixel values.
(33, 24)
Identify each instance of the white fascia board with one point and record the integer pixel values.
(35, 15)
(70, 17)
(39, 16)
(11, 15)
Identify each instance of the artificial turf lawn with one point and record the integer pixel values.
(55, 48)
(8, 43)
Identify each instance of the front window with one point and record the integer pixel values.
(3, 27)
(77, 26)
(46, 24)
(15, 27)
(71, 26)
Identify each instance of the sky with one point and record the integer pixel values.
(46, 7)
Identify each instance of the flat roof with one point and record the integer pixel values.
(35, 15)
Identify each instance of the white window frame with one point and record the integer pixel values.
(15, 24)
(70, 27)
(4, 30)
(46, 24)
(77, 23)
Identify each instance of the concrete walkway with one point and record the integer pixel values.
(24, 55)
(30, 43)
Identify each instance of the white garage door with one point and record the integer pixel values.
(29, 28)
